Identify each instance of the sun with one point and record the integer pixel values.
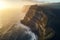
(2, 5)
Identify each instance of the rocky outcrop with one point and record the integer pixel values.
(38, 18)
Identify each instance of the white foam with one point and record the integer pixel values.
(27, 31)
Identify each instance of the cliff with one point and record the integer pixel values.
(44, 20)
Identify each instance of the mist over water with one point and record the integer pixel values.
(29, 35)
(10, 17)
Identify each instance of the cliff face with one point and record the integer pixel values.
(44, 20)
(37, 19)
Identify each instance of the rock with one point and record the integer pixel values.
(37, 18)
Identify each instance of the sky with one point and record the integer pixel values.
(20, 2)
(47, 0)
(33, 0)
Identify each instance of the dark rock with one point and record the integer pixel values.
(46, 16)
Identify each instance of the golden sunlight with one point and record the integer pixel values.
(12, 12)
(2, 5)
